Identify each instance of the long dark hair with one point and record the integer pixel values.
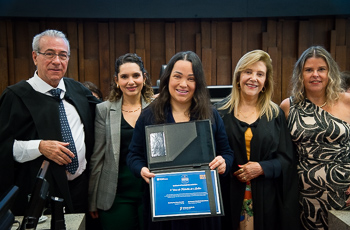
(200, 107)
(146, 92)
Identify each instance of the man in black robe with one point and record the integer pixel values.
(30, 129)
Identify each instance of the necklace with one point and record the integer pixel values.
(240, 112)
(131, 111)
(324, 104)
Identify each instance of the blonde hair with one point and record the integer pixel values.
(265, 105)
(334, 80)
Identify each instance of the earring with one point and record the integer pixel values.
(239, 86)
(263, 89)
(117, 86)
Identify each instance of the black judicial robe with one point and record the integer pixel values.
(274, 194)
(26, 114)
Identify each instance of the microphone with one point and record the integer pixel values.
(57, 218)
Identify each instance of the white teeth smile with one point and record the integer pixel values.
(181, 91)
(252, 85)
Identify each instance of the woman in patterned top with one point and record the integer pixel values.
(262, 190)
(318, 116)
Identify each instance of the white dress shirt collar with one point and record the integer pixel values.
(41, 86)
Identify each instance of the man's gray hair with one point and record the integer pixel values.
(50, 33)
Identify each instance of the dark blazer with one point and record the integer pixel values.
(26, 114)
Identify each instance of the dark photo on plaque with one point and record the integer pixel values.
(157, 144)
(184, 186)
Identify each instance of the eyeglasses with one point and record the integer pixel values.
(52, 55)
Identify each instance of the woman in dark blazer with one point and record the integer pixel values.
(115, 195)
(261, 192)
(183, 97)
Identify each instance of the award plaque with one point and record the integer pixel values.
(184, 186)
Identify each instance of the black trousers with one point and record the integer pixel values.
(79, 193)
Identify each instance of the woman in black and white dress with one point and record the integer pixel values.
(318, 116)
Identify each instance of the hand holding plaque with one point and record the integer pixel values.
(182, 156)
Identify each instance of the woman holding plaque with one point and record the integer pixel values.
(183, 97)
(115, 195)
(262, 192)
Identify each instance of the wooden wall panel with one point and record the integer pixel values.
(4, 72)
(272, 33)
(254, 35)
(91, 39)
(178, 37)
(22, 41)
(340, 28)
(104, 50)
(286, 75)
(81, 52)
(122, 34)
(223, 53)
(236, 44)
(340, 57)
(224, 42)
(199, 45)
(132, 43)
(333, 42)
(220, 43)
(212, 79)
(347, 41)
(223, 76)
(290, 33)
(277, 95)
(91, 69)
(320, 31)
(289, 53)
(22, 52)
(73, 67)
(158, 47)
(4, 62)
(140, 35)
(169, 40)
(304, 39)
(278, 76)
(155, 63)
(206, 61)
(264, 40)
(206, 33)
(189, 29)
(244, 37)
(91, 52)
(147, 61)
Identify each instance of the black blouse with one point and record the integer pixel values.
(126, 131)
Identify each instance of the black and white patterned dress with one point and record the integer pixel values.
(323, 146)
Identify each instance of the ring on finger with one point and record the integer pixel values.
(241, 170)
